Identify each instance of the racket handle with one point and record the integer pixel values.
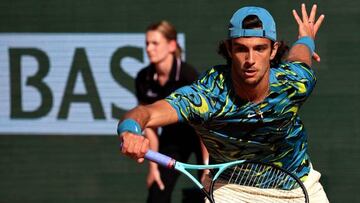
(132, 126)
(161, 159)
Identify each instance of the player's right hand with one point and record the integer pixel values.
(134, 146)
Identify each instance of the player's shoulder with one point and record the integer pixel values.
(215, 72)
(212, 79)
(292, 64)
(293, 71)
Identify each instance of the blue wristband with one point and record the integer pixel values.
(129, 125)
(307, 41)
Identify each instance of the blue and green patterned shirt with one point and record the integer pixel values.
(233, 128)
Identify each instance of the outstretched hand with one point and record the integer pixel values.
(308, 25)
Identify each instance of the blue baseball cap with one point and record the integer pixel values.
(268, 24)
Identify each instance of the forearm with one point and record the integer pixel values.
(140, 114)
(301, 53)
(157, 114)
(139, 118)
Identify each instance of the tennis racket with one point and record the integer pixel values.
(236, 181)
(241, 181)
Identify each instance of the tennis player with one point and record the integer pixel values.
(248, 108)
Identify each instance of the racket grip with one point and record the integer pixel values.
(159, 158)
(132, 126)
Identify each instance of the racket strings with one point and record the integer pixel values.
(235, 193)
(258, 175)
(256, 183)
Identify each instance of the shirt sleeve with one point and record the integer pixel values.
(194, 103)
(190, 104)
(300, 77)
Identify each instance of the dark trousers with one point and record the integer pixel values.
(170, 177)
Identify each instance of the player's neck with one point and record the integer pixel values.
(252, 93)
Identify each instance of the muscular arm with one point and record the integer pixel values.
(148, 116)
(300, 53)
(157, 114)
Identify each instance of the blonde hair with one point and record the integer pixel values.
(168, 31)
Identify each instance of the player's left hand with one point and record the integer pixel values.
(308, 25)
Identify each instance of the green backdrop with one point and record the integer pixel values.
(89, 168)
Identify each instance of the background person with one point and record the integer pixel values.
(166, 73)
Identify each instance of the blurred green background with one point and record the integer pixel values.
(89, 168)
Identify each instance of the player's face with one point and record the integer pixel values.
(158, 48)
(251, 59)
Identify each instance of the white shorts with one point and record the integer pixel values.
(235, 193)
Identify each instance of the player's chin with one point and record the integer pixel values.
(252, 81)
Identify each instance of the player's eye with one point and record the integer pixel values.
(240, 48)
(260, 48)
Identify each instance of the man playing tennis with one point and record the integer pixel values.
(248, 108)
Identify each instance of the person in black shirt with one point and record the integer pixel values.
(166, 73)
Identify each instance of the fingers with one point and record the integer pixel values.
(149, 182)
(316, 57)
(318, 23)
(308, 25)
(134, 146)
(142, 148)
(296, 16)
(145, 146)
(140, 160)
(160, 183)
(312, 14)
(154, 175)
(305, 17)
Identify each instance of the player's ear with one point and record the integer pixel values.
(274, 49)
